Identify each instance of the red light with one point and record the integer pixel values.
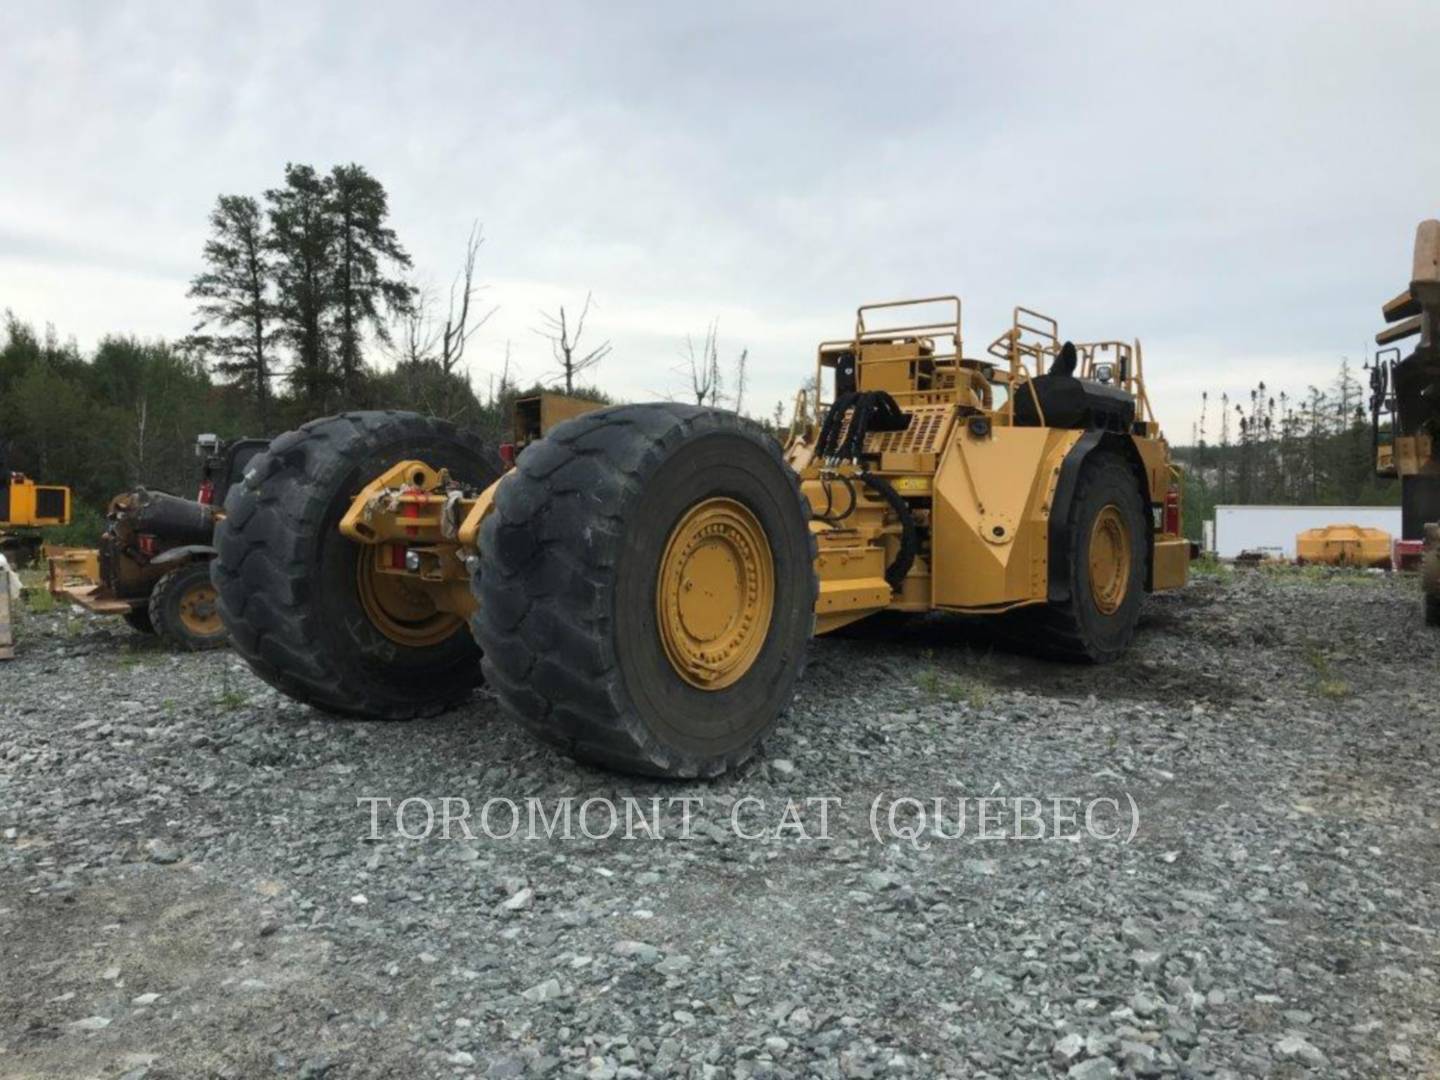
(207, 493)
(1172, 512)
(397, 556)
(507, 454)
(147, 544)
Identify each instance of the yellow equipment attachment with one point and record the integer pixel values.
(532, 417)
(25, 508)
(26, 504)
(1344, 545)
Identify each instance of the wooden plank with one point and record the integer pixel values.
(1403, 306)
(88, 597)
(7, 634)
(1399, 332)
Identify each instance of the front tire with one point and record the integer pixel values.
(289, 581)
(647, 589)
(183, 611)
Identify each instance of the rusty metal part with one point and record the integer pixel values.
(198, 611)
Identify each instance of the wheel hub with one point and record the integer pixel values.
(402, 611)
(198, 611)
(1110, 557)
(715, 593)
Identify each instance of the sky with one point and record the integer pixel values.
(1236, 185)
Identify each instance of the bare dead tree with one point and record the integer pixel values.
(565, 344)
(703, 366)
(424, 346)
(414, 337)
(505, 385)
(459, 326)
(742, 362)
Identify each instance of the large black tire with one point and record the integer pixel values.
(182, 609)
(287, 577)
(567, 581)
(138, 619)
(1078, 629)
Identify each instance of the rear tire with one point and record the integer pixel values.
(288, 579)
(1097, 622)
(182, 609)
(570, 571)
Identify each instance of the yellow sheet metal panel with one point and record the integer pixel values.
(533, 417)
(852, 584)
(1344, 545)
(992, 514)
(1155, 454)
(32, 505)
(1172, 564)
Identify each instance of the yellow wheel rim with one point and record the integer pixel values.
(402, 611)
(715, 593)
(198, 613)
(1109, 560)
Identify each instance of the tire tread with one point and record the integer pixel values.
(261, 572)
(543, 630)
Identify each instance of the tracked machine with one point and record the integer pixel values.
(641, 588)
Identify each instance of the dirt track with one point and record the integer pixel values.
(171, 827)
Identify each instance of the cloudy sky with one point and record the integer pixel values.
(1235, 184)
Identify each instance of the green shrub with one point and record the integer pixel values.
(86, 525)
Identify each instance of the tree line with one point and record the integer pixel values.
(128, 413)
(1315, 448)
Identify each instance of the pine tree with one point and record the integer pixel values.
(302, 240)
(234, 297)
(365, 249)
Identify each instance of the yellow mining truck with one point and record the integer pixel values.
(1405, 411)
(641, 589)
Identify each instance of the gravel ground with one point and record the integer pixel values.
(188, 887)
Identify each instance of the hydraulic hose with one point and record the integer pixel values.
(909, 541)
